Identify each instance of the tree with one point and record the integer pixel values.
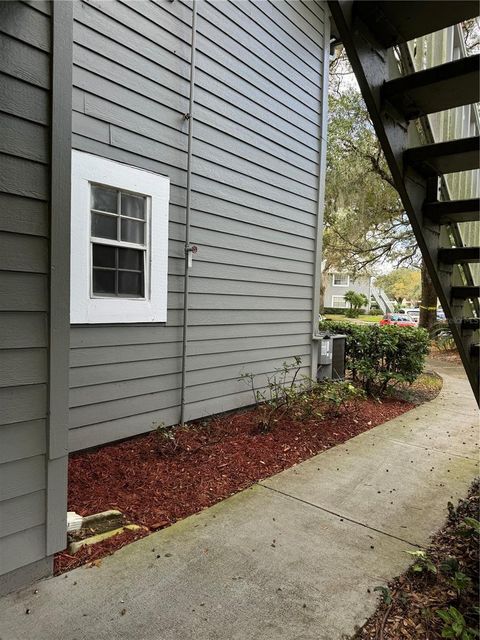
(401, 284)
(365, 223)
(356, 302)
(428, 307)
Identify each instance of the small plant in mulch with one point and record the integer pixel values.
(167, 440)
(336, 394)
(284, 394)
(438, 596)
(298, 397)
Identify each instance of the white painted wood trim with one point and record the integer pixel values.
(84, 308)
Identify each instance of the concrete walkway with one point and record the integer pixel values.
(292, 558)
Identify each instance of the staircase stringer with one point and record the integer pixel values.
(464, 273)
(373, 67)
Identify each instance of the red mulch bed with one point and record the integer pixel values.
(155, 486)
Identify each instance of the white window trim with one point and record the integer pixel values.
(343, 275)
(84, 308)
(345, 303)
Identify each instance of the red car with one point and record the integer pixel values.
(401, 320)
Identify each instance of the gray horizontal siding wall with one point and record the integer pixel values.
(360, 284)
(254, 202)
(25, 36)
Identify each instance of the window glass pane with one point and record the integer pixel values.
(340, 279)
(132, 231)
(104, 199)
(104, 226)
(103, 281)
(130, 259)
(103, 255)
(130, 283)
(133, 206)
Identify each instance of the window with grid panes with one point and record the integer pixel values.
(119, 242)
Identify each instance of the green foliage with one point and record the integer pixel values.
(455, 625)
(341, 311)
(385, 593)
(442, 336)
(337, 393)
(365, 222)
(382, 356)
(422, 562)
(449, 566)
(401, 284)
(284, 393)
(469, 527)
(288, 393)
(460, 582)
(356, 301)
(167, 438)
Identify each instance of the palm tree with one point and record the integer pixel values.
(356, 302)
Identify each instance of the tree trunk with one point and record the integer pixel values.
(428, 305)
(323, 286)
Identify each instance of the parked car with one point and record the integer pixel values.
(401, 320)
(413, 313)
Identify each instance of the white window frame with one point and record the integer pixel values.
(345, 303)
(342, 275)
(145, 247)
(86, 308)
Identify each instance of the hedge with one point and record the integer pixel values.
(340, 311)
(379, 356)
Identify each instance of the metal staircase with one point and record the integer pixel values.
(419, 88)
(386, 305)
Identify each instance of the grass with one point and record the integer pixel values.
(362, 318)
(426, 387)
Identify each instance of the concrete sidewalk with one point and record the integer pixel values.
(292, 558)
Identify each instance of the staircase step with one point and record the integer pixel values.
(436, 89)
(453, 211)
(398, 21)
(445, 157)
(470, 324)
(459, 255)
(465, 292)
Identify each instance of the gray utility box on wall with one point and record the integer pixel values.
(331, 356)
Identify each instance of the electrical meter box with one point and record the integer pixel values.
(325, 350)
(331, 357)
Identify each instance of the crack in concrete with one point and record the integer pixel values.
(339, 515)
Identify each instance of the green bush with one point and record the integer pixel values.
(352, 313)
(382, 356)
(337, 393)
(341, 311)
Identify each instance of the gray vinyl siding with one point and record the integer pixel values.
(254, 201)
(25, 36)
(360, 284)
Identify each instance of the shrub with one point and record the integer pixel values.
(283, 394)
(341, 311)
(356, 301)
(337, 393)
(382, 356)
(298, 397)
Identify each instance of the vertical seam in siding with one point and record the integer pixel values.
(59, 304)
(321, 193)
